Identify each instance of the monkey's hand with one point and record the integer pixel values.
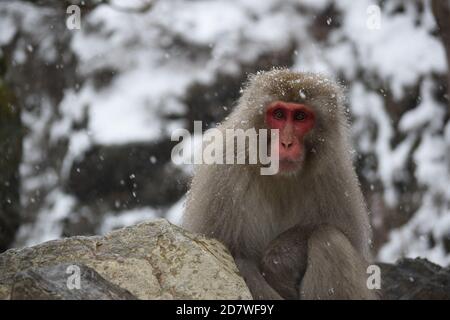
(258, 286)
(285, 259)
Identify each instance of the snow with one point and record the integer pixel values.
(368, 106)
(175, 213)
(148, 78)
(8, 29)
(316, 4)
(399, 51)
(197, 21)
(432, 171)
(48, 225)
(114, 221)
(412, 241)
(428, 112)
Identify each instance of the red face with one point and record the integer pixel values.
(294, 121)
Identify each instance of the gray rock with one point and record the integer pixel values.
(59, 283)
(152, 260)
(415, 279)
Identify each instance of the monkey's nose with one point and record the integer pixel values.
(286, 145)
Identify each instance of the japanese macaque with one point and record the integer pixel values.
(302, 233)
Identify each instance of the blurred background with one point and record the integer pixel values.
(86, 114)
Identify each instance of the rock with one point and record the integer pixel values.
(152, 260)
(415, 279)
(55, 283)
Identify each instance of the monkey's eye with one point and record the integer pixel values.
(300, 116)
(278, 114)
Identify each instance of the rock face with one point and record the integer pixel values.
(152, 260)
(415, 279)
(57, 282)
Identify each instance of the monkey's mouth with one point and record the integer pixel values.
(289, 165)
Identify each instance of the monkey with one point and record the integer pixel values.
(302, 233)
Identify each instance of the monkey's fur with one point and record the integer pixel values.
(294, 236)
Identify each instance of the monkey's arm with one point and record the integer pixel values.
(284, 261)
(258, 286)
(335, 269)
